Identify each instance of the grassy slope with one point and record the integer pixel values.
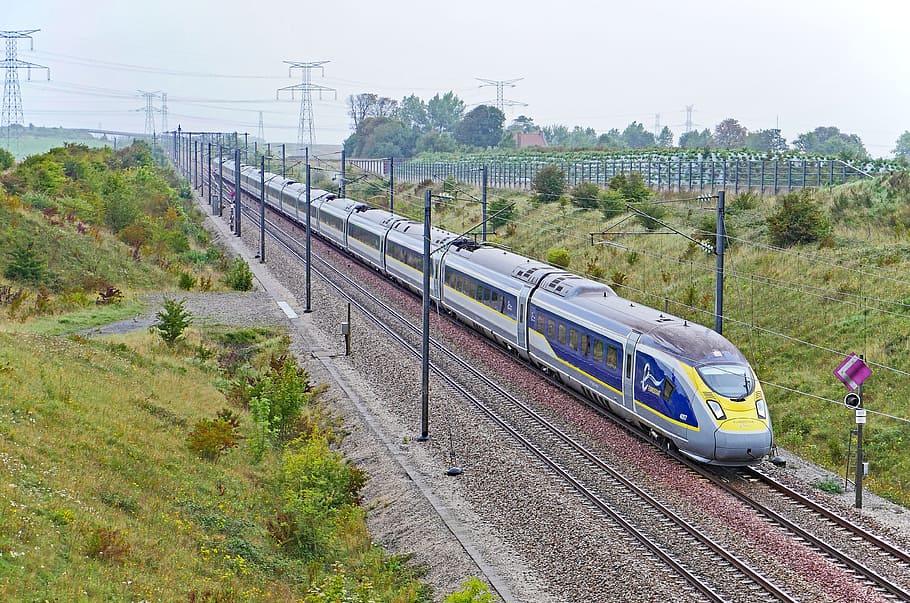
(853, 297)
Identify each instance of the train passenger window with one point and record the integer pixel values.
(495, 299)
(561, 334)
(628, 366)
(551, 328)
(585, 344)
(487, 293)
(668, 389)
(573, 339)
(480, 293)
(612, 357)
(598, 350)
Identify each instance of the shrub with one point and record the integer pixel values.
(186, 281)
(558, 256)
(651, 214)
(586, 195)
(239, 277)
(109, 295)
(25, 264)
(612, 203)
(549, 183)
(211, 438)
(501, 212)
(798, 219)
(6, 159)
(172, 320)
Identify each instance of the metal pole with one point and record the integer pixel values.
(220, 180)
(262, 210)
(392, 185)
(347, 335)
(719, 278)
(210, 173)
(858, 483)
(425, 343)
(308, 201)
(268, 153)
(343, 179)
(246, 147)
(483, 206)
(237, 193)
(283, 162)
(196, 164)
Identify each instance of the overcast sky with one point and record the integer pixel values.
(795, 64)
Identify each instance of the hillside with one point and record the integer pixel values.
(795, 310)
(31, 140)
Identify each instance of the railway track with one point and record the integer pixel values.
(657, 529)
(871, 559)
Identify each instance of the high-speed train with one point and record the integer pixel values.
(686, 385)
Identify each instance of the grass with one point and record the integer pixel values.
(794, 313)
(81, 320)
(103, 499)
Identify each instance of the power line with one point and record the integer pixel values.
(306, 87)
(12, 94)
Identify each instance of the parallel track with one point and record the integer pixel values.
(683, 536)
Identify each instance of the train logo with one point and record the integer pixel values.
(649, 383)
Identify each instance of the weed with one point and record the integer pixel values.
(832, 485)
(107, 545)
(239, 277)
(109, 295)
(186, 281)
(127, 504)
(210, 438)
(558, 256)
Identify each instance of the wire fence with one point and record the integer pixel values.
(670, 174)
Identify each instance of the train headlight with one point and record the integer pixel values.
(761, 408)
(716, 409)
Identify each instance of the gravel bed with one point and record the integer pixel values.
(537, 535)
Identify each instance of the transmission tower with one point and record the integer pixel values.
(500, 84)
(149, 112)
(305, 136)
(656, 125)
(689, 117)
(163, 112)
(261, 128)
(12, 95)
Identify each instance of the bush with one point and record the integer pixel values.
(799, 219)
(172, 320)
(549, 183)
(651, 214)
(558, 256)
(612, 203)
(6, 159)
(502, 212)
(186, 281)
(239, 277)
(25, 265)
(472, 591)
(586, 195)
(211, 438)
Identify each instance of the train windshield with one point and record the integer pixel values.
(733, 381)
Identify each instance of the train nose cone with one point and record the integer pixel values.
(742, 441)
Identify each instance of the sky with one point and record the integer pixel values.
(793, 65)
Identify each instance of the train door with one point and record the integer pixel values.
(522, 339)
(628, 371)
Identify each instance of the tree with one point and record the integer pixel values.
(902, 146)
(500, 212)
(481, 127)
(831, 141)
(611, 140)
(549, 183)
(696, 140)
(556, 135)
(766, 140)
(729, 134)
(432, 141)
(382, 137)
(636, 137)
(413, 112)
(665, 140)
(580, 138)
(173, 320)
(522, 123)
(445, 111)
(359, 106)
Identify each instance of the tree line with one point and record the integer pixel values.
(385, 127)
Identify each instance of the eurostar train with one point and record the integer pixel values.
(686, 385)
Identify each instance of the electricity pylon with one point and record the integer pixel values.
(12, 94)
(305, 136)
